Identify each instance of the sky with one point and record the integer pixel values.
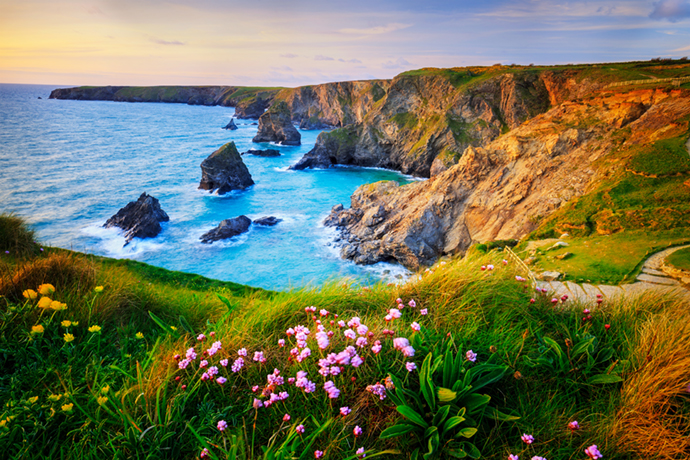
(300, 42)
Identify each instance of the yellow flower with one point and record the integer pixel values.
(44, 302)
(67, 407)
(30, 294)
(105, 389)
(139, 335)
(46, 289)
(98, 288)
(33, 399)
(68, 338)
(3, 423)
(102, 400)
(75, 323)
(95, 328)
(54, 398)
(37, 329)
(66, 323)
(173, 328)
(58, 306)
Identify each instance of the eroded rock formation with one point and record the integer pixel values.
(275, 125)
(227, 229)
(224, 170)
(139, 219)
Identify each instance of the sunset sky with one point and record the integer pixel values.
(298, 42)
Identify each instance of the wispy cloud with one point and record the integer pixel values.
(680, 50)
(399, 63)
(320, 57)
(376, 30)
(288, 55)
(159, 41)
(671, 10)
(353, 61)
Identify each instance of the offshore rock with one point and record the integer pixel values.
(267, 221)
(139, 219)
(224, 170)
(262, 153)
(231, 126)
(227, 229)
(275, 125)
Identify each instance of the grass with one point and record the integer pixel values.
(680, 259)
(119, 392)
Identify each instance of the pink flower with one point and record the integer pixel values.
(483, 267)
(574, 425)
(222, 425)
(318, 453)
(237, 365)
(408, 351)
(554, 301)
(356, 361)
(286, 418)
(527, 438)
(357, 431)
(341, 323)
(360, 453)
(513, 457)
(255, 388)
(471, 356)
(299, 428)
(505, 262)
(224, 362)
(377, 347)
(489, 267)
(410, 366)
(378, 390)
(345, 411)
(201, 337)
(191, 354)
(537, 457)
(203, 364)
(323, 312)
(221, 380)
(242, 352)
(593, 452)
(412, 303)
(204, 453)
(205, 376)
(350, 334)
(257, 403)
(259, 356)
(395, 313)
(281, 342)
(423, 311)
(362, 342)
(415, 326)
(362, 329)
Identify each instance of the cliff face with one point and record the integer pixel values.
(276, 126)
(502, 189)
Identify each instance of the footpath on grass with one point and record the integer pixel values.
(651, 279)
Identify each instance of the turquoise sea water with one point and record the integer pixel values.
(67, 166)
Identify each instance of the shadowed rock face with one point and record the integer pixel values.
(267, 221)
(139, 219)
(276, 126)
(262, 153)
(231, 126)
(227, 229)
(224, 170)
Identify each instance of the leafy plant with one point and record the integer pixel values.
(447, 408)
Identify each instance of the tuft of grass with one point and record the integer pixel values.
(16, 237)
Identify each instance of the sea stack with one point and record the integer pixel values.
(227, 229)
(224, 170)
(275, 125)
(139, 219)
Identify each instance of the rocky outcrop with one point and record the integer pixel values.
(275, 125)
(267, 221)
(224, 170)
(255, 106)
(227, 229)
(139, 219)
(262, 153)
(502, 189)
(231, 126)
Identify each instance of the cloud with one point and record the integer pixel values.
(376, 30)
(397, 64)
(678, 50)
(673, 10)
(320, 57)
(288, 55)
(353, 61)
(159, 41)
(284, 68)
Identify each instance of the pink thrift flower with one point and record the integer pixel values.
(299, 428)
(323, 312)
(341, 323)
(483, 267)
(408, 351)
(377, 347)
(345, 411)
(259, 356)
(412, 303)
(205, 376)
(177, 357)
(257, 403)
(224, 362)
(286, 418)
(537, 457)
(395, 313)
(554, 301)
(350, 334)
(574, 425)
(204, 453)
(242, 352)
(221, 380)
(593, 452)
(362, 342)
(357, 431)
(203, 364)
(201, 337)
(191, 354)
(410, 366)
(527, 438)
(213, 370)
(356, 361)
(505, 262)
(255, 388)
(360, 453)
(281, 342)
(222, 425)
(489, 267)
(423, 311)
(513, 457)
(237, 365)
(362, 329)
(415, 326)
(471, 356)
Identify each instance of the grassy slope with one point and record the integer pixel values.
(680, 259)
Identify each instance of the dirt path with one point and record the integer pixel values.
(650, 279)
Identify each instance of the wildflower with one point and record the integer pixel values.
(593, 452)
(58, 306)
(95, 328)
(105, 389)
(360, 453)
(139, 335)
(323, 312)
(67, 407)
(68, 338)
(37, 329)
(46, 289)
(221, 380)
(532, 300)
(527, 438)
(395, 313)
(44, 302)
(184, 363)
(574, 425)
(415, 326)
(224, 362)
(30, 294)
(54, 398)
(377, 347)
(410, 366)
(259, 356)
(378, 390)
(75, 323)
(513, 457)
(205, 376)
(286, 418)
(357, 431)
(201, 337)
(505, 262)
(489, 267)
(345, 410)
(412, 303)
(203, 363)
(471, 356)
(222, 425)
(98, 289)
(184, 387)
(331, 389)
(318, 453)
(350, 334)
(554, 301)
(356, 361)
(66, 323)
(537, 457)
(173, 328)
(362, 342)
(257, 403)
(408, 351)
(242, 352)
(362, 329)
(102, 400)
(607, 326)
(519, 278)
(281, 342)
(423, 311)
(237, 365)
(483, 267)
(204, 453)
(299, 428)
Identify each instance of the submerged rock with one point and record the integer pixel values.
(267, 221)
(227, 229)
(224, 170)
(231, 126)
(139, 219)
(275, 125)
(262, 153)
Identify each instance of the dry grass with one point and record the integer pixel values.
(654, 417)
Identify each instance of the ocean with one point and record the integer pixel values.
(67, 166)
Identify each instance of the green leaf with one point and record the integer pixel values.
(229, 305)
(466, 432)
(396, 430)
(162, 324)
(411, 415)
(471, 449)
(452, 423)
(498, 415)
(449, 372)
(185, 325)
(582, 346)
(474, 401)
(457, 453)
(430, 431)
(434, 442)
(489, 374)
(441, 415)
(551, 343)
(604, 378)
(445, 395)
(425, 383)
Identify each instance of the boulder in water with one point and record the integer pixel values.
(139, 219)
(267, 221)
(231, 126)
(275, 125)
(262, 153)
(224, 170)
(227, 229)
